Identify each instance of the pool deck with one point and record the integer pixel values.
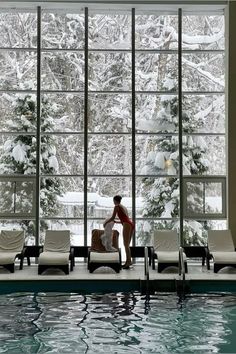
(198, 279)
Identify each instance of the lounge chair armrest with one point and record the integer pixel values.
(153, 256)
(72, 258)
(21, 256)
(150, 254)
(208, 257)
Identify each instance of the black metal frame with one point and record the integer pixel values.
(43, 267)
(64, 267)
(94, 265)
(38, 91)
(162, 266)
(190, 252)
(216, 266)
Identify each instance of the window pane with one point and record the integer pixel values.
(67, 112)
(18, 112)
(145, 229)
(18, 30)
(109, 113)
(71, 201)
(195, 231)
(62, 197)
(156, 32)
(110, 31)
(203, 32)
(204, 113)
(17, 197)
(101, 191)
(62, 154)
(18, 70)
(203, 72)
(17, 154)
(156, 72)
(157, 197)
(76, 228)
(213, 198)
(195, 198)
(157, 155)
(25, 225)
(62, 30)
(109, 154)
(109, 71)
(204, 198)
(156, 113)
(62, 71)
(204, 155)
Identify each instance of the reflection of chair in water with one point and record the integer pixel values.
(56, 251)
(221, 249)
(11, 247)
(98, 257)
(166, 249)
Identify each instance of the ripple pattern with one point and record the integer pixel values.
(116, 323)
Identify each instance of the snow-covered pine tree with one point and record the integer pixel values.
(161, 195)
(19, 156)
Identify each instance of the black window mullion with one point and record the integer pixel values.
(38, 129)
(133, 123)
(85, 125)
(180, 125)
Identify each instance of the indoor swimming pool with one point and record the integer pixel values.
(117, 323)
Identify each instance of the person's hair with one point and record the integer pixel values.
(117, 198)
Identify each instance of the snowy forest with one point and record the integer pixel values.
(109, 120)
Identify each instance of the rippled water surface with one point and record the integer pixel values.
(117, 323)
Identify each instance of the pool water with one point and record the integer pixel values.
(117, 323)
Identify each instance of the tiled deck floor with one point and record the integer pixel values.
(80, 272)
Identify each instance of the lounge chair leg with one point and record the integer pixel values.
(10, 267)
(21, 263)
(185, 267)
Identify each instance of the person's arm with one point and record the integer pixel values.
(112, 218)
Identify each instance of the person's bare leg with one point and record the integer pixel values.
(127, 234)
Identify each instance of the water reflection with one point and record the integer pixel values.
(118, 323)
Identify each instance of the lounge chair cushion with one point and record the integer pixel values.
(96, 243)
(54, 258)
(104, 257)
(166, 241)
(224, 257)
(169, 257)
(57, 241)
(220, 241)
(12, 241)
(7, 257)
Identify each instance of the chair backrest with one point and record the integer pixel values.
(165, 240)
(220, 241)
(12, 240)
(57, 241)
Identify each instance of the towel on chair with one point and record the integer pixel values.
(96, 242)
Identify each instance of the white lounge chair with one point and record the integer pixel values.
(56, 251)
(221, 249)
(99, 257)
(11, 247)
(166, 250)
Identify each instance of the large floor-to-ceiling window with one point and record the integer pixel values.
(97, 102)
